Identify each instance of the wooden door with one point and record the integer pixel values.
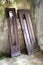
(12, 31)
(27, 28)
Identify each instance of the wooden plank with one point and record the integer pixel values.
(29, 37)
(12, 31)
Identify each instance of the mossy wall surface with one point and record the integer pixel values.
(20, 4)
(4, 44)
(39, 23)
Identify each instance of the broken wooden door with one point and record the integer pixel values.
(12, 31)
(26, 25)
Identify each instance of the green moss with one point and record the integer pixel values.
(1, 57)
(33, 13)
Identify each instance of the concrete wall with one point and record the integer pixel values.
(39, 23)
(4, 44)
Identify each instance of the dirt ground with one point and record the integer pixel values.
(34, 59)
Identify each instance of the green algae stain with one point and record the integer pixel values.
(1, 57)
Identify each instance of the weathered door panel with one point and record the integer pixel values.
(12, 31)
(25, 20)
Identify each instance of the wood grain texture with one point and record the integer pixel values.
(27, 29)
(14, 45)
